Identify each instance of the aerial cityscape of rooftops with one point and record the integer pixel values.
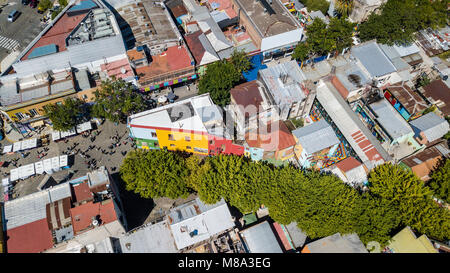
(225, 126)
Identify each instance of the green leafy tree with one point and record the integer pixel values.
(340, 31)
(440, 180)
(344, 7)
(301, 52)
(45, 5)
(218, 80)
(155, 173)
(317, 38)
(240, 61)
(116, 99)
(63, 3)
(66, 115)
(313, 5)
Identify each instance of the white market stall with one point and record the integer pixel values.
(26, 171)
(71, 132)
(39, 167)
(56, 135)
(14, 175)
(48, 166)
(63, 161)
(55, 163)
(17, 146)
(7, 149)
(84, 127)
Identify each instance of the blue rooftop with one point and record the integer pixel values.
(43, 50)
(83, 5)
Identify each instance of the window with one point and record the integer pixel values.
(171, 137)
(187, 138)
(156, 144)
(212, 142)
(188, 148)
(200, 150)
(33, 112)
(154, 134)
(165, 147)
(19, 115)
(172, 145)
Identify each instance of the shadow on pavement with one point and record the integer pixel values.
(136, 208)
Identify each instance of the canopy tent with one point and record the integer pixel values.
(48, 166)
(162, 99)
(55, 163)
(17, 146)
(39, 167)
(32, 143)
(63, 160)
(24, 145)
(7, 149)
(84, 127)
(14, 174)
(71, 132)
(26, 171)
(56, 135)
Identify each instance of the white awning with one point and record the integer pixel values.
(84, 127)
(71, 132)
(7, 149)
(39, 166)
(56, 135)
(24, 145)
(17, 146)
(26, 171)
(48, 166)
(14, 174)
(5, 182)
(55, 163)
(63, 160)
(32, 143)
(22, 172)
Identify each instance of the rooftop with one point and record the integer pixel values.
(412, 101)
(373, 59)
(155, 238)
(406, 242)
(437, 92)
(275, 21)
(201, 48)
(121, 69)
(394, 124)
(32, 237)
(337, 244)
(433, 126)
(355, 132)
(316, 137)
(261, 239)
(297, 236)
(348, 164)
(276, 136)
(284, 83)
(195, 221)
(424, 162)
(247, 94)
(83, 215)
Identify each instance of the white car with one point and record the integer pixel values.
(13, 16)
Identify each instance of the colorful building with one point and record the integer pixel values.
(193, 125)
(316, 145)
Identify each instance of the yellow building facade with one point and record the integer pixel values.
(192, 142)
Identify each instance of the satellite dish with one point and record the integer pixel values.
(95, 223)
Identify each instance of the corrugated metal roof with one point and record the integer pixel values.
(338, 244)
(316, 137)
(32, 207)
(82, 79)
(433, 126)
(156, 238)
(373, 59)
(390, 119)
(261, 239)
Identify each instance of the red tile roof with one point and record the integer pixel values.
(340, 87)
(82, 215)
(348, 164)
(277, 138)
(287, 246)
(58, 33)
(115, 69)
(81, 192)
(33, 237)
(171, 60)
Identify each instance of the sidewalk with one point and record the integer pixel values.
(12, 135)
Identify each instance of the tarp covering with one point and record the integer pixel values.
(257, 65)
(14, 174)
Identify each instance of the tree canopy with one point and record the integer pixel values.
(66, 115)
(440, 180)
(116, 99)
(400, 19)
(223, 75)
(344, 7)
(321, 204)
(313, 5)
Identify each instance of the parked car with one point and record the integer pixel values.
(13, 15)
(25, 2)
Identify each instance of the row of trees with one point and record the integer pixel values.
(114, 100)
(321, 204)
(400, 19)
(323, 39)
(223, 75)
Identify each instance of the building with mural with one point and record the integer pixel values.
(193, 125)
